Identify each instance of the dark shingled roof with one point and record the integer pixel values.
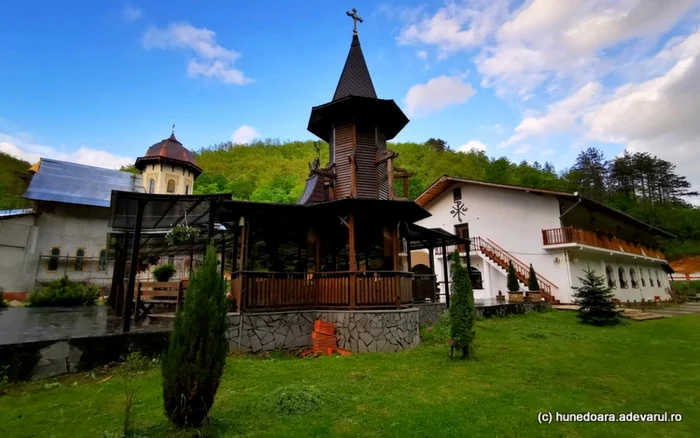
(355, 79)
(166, 150)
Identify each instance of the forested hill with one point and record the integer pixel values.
(639, 184)
(14, 175)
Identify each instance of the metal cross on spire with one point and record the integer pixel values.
(355, 19)
(173, 129)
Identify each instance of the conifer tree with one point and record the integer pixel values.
(512, 284)
(595, 299)
(194, 362)
(462, 311)
(532, 283)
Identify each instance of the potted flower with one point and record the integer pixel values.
(534, 293)
(514, 293)
(181, 234)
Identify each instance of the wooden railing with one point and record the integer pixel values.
(559, 236)
(424, 287)
(502, 257)
(260, 291)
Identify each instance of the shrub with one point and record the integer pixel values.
(513, 284)
(63, 292)
(687, 287)
(164, 272)
(293, 400)
(595, 299)
(3, 304)
(194, 362)
(532, 283)
(462, 310)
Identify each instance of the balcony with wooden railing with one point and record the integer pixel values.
(257, 291)
(568, 235)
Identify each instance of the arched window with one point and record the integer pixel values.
(53, 261)
(79, 259)
(641, 277)
(102, 264)
(622, 277)
(633, 278)
(171, 186)
(658, 281)
(651, 279)
(475, 277)
(610, 274)
(187, 189)
(151, 185)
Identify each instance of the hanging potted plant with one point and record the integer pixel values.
(181, 234)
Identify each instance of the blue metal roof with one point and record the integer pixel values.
(72, 183)
(6, 214)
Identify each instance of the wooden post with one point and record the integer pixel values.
(444, 274)
(242, 279)
(179, 295)
(119, 268)
(234, 256)
(405, 187)
(223, 252)
(212, 216)
(352, 262)
(390, 177)
(138, 301)
(353, 167)
(135, 248)
(431, 255)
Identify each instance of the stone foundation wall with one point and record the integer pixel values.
(358, 331)
(270, 331)
(429, 313)
(373, 331)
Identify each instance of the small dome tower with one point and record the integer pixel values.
(168, 168)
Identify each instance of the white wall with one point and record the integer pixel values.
(580, 261)
(512, 219)
(17, 235)
(68, 227)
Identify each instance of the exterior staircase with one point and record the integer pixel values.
(501, 258)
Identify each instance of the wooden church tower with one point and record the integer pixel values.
(356, 124)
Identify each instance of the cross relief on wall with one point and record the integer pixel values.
(458, 210)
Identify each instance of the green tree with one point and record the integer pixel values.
(462, 310)
(194, 362)
(595, 299)
(513, 284)
(532, 283)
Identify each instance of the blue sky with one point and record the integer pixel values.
(98, 82)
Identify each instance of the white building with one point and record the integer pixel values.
(561, 234)
(66, 231)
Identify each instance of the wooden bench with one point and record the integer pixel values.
(150, 293)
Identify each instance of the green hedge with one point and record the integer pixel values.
(687, 287)
(63, 292)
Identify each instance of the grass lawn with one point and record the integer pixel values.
(524, 365)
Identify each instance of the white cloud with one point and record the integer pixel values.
(210, 58)
(24, 148)
(456, 26)
(658, 116)
(244, 135)
(560, 116)
(131, 13)
(437, 94)
(566, 39)
(523, 149)
(472, 145)
(422, 54)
